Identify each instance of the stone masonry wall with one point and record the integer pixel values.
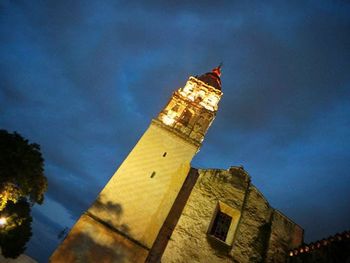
(259, 228)
(253, 231)
(285, 235)
(189, 239)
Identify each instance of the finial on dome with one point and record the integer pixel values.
(217, 70)
(212, 78)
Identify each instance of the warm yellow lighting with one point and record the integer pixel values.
(167, 120)
(188, 91)
(188, 88)
(3, 221)
(206, 105)
(213, 100)
(201, 93)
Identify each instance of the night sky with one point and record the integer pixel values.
(84, 79)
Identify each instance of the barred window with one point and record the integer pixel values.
(221, 226)
(224, 223)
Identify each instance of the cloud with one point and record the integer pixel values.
(44, 237)
(84, 80)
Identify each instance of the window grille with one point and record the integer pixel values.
(221, 226)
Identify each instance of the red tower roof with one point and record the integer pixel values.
(212, 78)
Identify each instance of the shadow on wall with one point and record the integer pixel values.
(97, 237)
(219, 246)
(114, 211)
(261, 242)
(83, 248)
(115, 208)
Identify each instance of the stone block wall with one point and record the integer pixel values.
(262, 234)
(253, 231)
(285, 235)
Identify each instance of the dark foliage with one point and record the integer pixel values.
(15, 235)
(22, 184)
(22, 165)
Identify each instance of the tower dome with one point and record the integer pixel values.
(212, 78)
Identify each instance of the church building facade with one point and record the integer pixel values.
(156, 208)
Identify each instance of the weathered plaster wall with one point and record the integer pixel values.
(170, 223)
(285, 235)
(258, 229)
(139, 196)
(91, 241)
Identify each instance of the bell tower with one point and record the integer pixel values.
(192, 108)
(124, 221)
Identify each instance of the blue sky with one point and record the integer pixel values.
(84, 79)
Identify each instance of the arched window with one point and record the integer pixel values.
(186, 117)
(175, 108)
(199, 124)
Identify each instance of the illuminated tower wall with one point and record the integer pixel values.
(124, 221)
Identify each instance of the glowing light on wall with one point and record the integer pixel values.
(188, 91)
(188, 88)
(3, 221)
(168, 120)
(195, 93)
(194, 90)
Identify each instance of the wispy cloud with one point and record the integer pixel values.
(84, 79)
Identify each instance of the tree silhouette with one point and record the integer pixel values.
(22, 184)
(17, 231)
